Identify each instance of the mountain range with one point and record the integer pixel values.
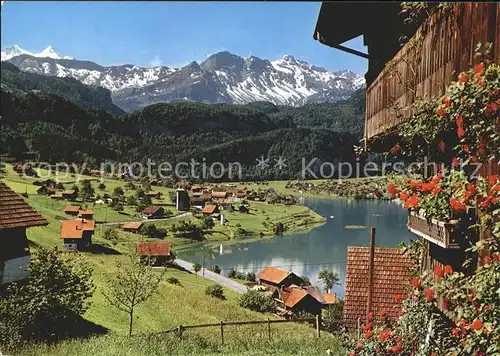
(222, 78)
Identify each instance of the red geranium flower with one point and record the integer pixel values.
(466, 148)
(412, 202)
(455, 332)
(398, 298)
(404, 195)
(486, 260)
(441, 111)
(395, 149)
(382, 313)
(392, 189)
(438, 272)
(447, 102)
(493, 179)
(455, 161)
(473, 158)
(368, 334)
(396, 349)
(493, 106)
(359, 345)
(441, 146)
(496, 256)
(367, 327)
(437, 190)
(462, 79)
(460, 121)
(457, 205)
(476, 325)
(415, 282)
(479, 68)
(448, 270)
(445, 304)
(370, 316)
(460, 133)
(429, 294)
(471, 188)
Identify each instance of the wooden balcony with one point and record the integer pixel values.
(449, 41)
(438, 232)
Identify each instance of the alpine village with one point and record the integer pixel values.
(102, 262)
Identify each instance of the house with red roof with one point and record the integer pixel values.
(274, 278)
(293, 299)
(15, 217)
(86, 214)
(160, 251)
(77, 234)
(72, 209)
(133, 226)
(153, 212)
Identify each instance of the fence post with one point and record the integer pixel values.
(222, 332)
(179, 331)
(269, 328)
(318, 325)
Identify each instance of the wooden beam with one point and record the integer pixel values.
(351, 51)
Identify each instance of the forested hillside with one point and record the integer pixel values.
(61, 122)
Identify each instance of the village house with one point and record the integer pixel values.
(44, 190)
(210, 210)
(15, 217)
(56, 196)
(72, 209)
(133, 226)
(374, 290)
(219, 194)
(292, 299)
(160, 251)
(274, 278)
(154, 194)
(244, 208)
(69, 194)
(86, 214)
(196, 188)
(77, 234)
(225, 204)
(153, 212)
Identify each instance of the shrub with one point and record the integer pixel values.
(251, 277)
(257, 301)
(215, 290)
(50, 304)
(231, 273)
(216, 269)
(173, 280)
(196, 267)
(110, 234)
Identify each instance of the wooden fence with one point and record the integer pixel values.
(179, 330)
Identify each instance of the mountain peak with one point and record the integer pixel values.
(15, 50)
(223, 59)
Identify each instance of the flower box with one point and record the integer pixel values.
(441, 233)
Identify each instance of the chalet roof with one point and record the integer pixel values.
(153, 209)
(273, 274)
(15, 212)
(74, 229)
(292, 296)
(329, 298)
(209, 209)
(196, 187)
(391, 276)
(86, 212)
(72, 208)
(153, 248)
(132, 225)
(218, 194)
(315, 292)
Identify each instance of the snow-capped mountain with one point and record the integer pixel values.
(48, 52)
(222, 77)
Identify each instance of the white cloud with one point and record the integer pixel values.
(156, 61)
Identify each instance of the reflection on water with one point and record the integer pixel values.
(323, 247)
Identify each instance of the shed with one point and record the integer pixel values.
(159, 250)
(274, 278)
(133, 226)
(72, 209)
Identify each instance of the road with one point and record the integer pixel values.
(147, 220)
(223, 281)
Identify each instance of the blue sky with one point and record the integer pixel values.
(172, 33)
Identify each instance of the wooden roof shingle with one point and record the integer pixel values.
(391, 276)
(15, 212)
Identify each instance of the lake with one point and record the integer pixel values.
(324, 247)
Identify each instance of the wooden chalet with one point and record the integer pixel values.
(293, 299)
(133, 226)
(275, 278)
(219, 194)
(72, 209)
(422, 67)
(86, 214)
(160, 251)
(373, 278)
(69, 194)
(153, 212)
(210, 209)
(15, 217)
(44, 190)
(154, 194)
(77, 234)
